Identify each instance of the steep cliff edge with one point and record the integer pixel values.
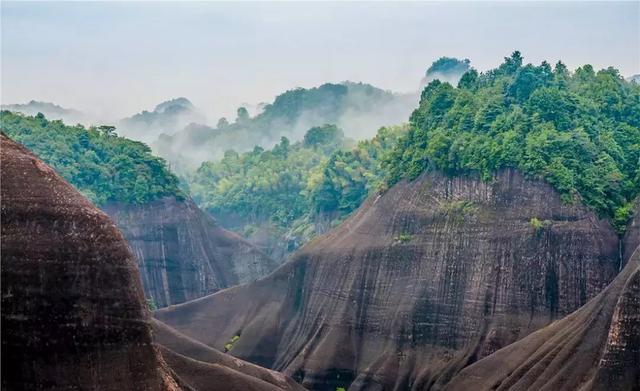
(594, 348)
(73, 315)
(419, 283)
(183, 253)
(632, 236)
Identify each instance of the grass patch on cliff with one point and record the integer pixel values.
(403, 238)
(229, 345)
(459, 207)
(538, 224)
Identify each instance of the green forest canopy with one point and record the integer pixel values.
(579, 131)
(292, 181)
(104, 167)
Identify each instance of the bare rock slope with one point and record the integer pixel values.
(594, 348)
(73, 315)
(421, 282)
(183, 253)
(73, 311)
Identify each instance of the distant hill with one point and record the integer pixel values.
(446, 69)
(357, 108)
(634, 79)
(167, 117)
(50, 110)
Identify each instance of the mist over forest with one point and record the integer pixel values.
(325, 196)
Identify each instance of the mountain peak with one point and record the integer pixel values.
(172, 104)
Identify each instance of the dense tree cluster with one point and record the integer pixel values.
(447, 66)
(348, 177)
(580, 131)
(104, 167)
(293, 181)
(351, 106)
(269, 185)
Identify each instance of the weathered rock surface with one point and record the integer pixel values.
(632, 236)
(594, 348)
(183, 253)
(204, 368)
(73, 311)
(73, 315)
(419, 283)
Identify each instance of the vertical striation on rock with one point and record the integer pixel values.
(595, 348)
(422, 281)
(73, 315)
(632, 236)
(183, 253)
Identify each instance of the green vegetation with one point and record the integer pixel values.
(579, 131)
(459, 208)
(447, 68)
(294, 181)
(350, 176)
(538, 224)
(229, 345)
(404, 238)
(351, 106)
(104, 167)
(266, 185)
(151, 304)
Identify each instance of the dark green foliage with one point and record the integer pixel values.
(350, 176)
(104, 167)
(265, 185)
(580, 131)
(326, 137)
(294, 181)
(447, 66)
(151, 304)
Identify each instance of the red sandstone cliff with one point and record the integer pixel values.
(419, 283)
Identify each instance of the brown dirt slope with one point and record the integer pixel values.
(183, 253)
(73, 312)
(422, 281)
(594, 348)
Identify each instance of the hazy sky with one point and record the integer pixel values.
(120, 58)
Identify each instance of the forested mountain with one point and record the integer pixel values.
(282, 197)
(359, 109)
(50, 110)
(104, 167)
(166, 118)
(182, 252)
(580, 131)
(493, 225)
(446, 69)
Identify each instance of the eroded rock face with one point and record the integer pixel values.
(183, 253)
(419, 283)
(204, 368)
(632, 236)
(73, 315)
(594, 348)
